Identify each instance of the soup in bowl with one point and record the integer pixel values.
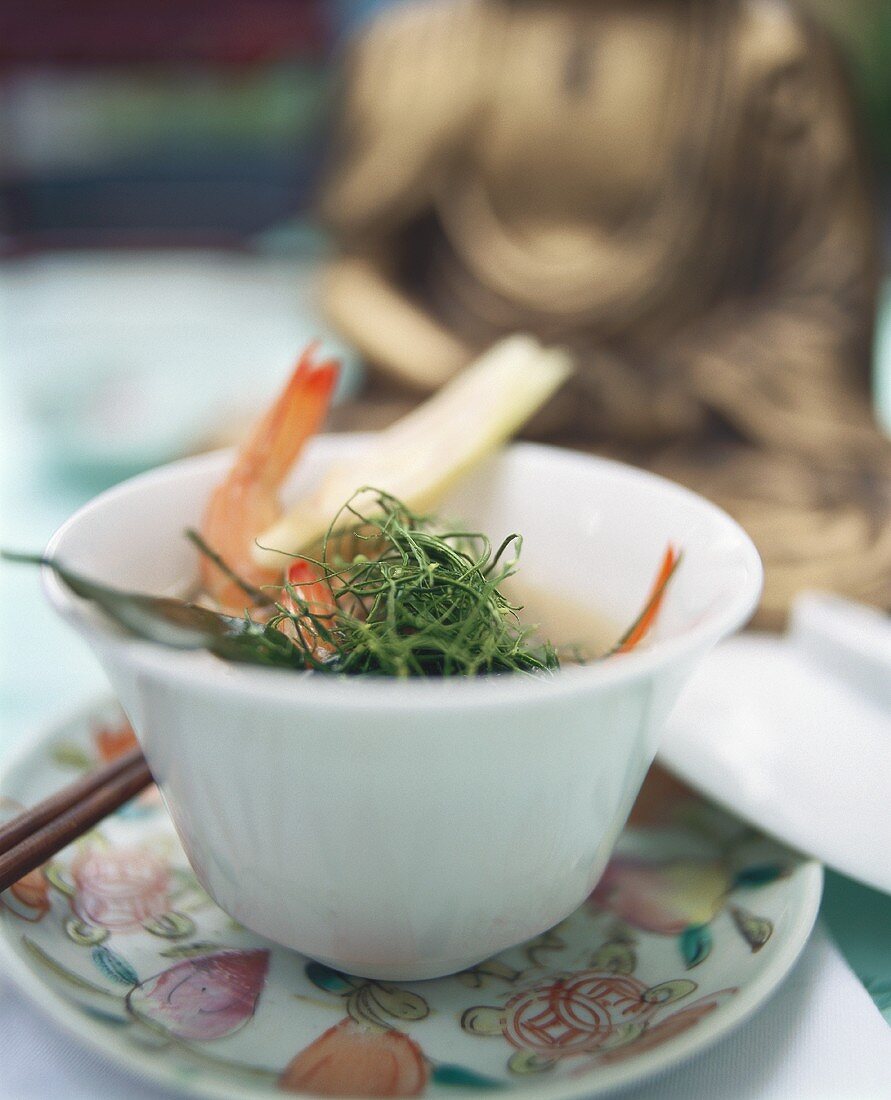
(405, 829)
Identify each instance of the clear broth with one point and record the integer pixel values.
(570, 626)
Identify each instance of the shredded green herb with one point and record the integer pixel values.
(410, 600)
(398, 598)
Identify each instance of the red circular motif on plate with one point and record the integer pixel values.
(574, 1014)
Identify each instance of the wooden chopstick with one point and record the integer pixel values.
(29, 820)
(31, 838)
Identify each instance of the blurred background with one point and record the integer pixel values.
(157, 169)
(158, 165)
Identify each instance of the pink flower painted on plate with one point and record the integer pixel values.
(119, 888)
(205, 997)
(576, 1014)
(352, 1059)
(663, 897)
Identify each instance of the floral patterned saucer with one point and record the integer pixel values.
(695, 921)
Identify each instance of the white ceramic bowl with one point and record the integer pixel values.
(405, 830)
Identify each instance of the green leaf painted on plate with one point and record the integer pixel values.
(483, 1020)
(325, 978)
(401, 1004)
(62, 971)
(547, 941)
(113, 966)
(615, 958)
(68, 754)
(190, 950)
(668, 992)
(523, 1062)
(55, 875)
(756, 931)
(83, 934)
(761, 874)
(364, 1009)
(476, 977)
(696, 943)
(170, 926)
(463, 1078)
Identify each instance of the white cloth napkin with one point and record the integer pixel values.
(820, 1037)
(793, 734)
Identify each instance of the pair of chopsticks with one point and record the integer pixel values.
(30, 839)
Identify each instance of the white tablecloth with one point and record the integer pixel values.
(820, 1037)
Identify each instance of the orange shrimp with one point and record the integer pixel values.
(645, 620)
(305, 580)
(247, 502)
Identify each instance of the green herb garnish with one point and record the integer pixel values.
(403, 601)
(399, 599)
(408, 600)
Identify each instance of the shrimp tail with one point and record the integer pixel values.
(246, 502)
(293, 419)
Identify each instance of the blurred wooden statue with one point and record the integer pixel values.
(669, 187)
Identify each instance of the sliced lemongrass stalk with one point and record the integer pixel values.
(421, 456)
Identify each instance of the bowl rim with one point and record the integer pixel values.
(192, 669)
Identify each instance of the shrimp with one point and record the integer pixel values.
(247, 501)
(645, 620)
(305, 581)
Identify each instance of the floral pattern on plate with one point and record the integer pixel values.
(126, 946)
